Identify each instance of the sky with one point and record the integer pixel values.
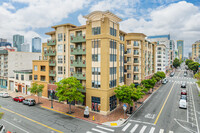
(31, 18)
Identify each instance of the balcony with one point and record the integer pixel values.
(125, 70)
(80, 76)
(136, 53)
(50, 52)
(52, 81)
(52, 62)
(78, 63)
(136, 78)
(77, 39)
(51, 42)
(136, 70)
(79, 51)
(52, 73)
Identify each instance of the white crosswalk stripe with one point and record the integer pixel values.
(152, 130)
(88, 132)
(143, 129)
(171, 132)
(124, 129)
(161, 131)
(134, 128)
(97, 130)
(106, 128)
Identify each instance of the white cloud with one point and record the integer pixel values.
(37, 14)
(81, 19)
(181, 20)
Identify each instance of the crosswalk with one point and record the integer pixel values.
(176, 77)
(129, 128)
(179, 82)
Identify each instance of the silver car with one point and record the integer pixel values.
(29, 102)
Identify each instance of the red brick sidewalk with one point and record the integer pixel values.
(79, 111)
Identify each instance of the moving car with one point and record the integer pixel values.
(5, 95)
(19, 99)
(184, 97)
(29, 102)
(2, 129)
(185, 74)
(183, 85)
(171, 74)
(183, 104)
(183, 92)
(164, 81)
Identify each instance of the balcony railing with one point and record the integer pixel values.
(52, 62)
(136, 61)
(80, 76)
(52, 81)
(136, 70)
(78, 51)
(77, 39)
(136, 78)
(51, 42)
(50, 52)
(78, 63)
(52, 73)
(136, 53)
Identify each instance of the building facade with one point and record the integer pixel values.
(17, 41)
(25, 47)
(196, 51)
(3, 40)
(94, 53)
(180, 49)
(190, 55)
(161, 58)
(36, 44)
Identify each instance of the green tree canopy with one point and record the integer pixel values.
(149, 83)
(188, 61)
(36, 89)
(176, 63)
(158, 76)
(69, 90)
(193, 66)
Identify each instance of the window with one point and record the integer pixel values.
(60, 48)
(35, 68)
(113, 57)
(96, 30)
(136, 52)
(59, 79)
(96, 84)
(42, 78)
(136, 60)
(128, 75)
(128, 51)
(96, 44)
(95, 103)
(113, 83)
(17, 76)
(64, 37)
(135, 77)
(136, 43)
(113, 102)
(42, 68)
(60, 60)
(159, 65)
(113, 44)
(79, 33)
(35, 77)
(64, 47)
(71, 69)
(45, 49)
(60, 37)
(113, 31)
(128, 59)
(113, 70)
(121, 37)
(136, 69)
(96, 57)
(22, 77)
(159, 56)
(128, 67)
(159, 48)
(64, 70)
(30, 77)
(60, 71)
(96, 70)
(64, 58)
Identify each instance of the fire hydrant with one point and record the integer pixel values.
(93, 118)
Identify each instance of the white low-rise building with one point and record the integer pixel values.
(161, 58)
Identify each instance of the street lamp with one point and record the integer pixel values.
(51, 98)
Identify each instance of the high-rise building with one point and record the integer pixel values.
(17, 41)
(196, 51)
(169, 48)
(180, 49)
(3, 40)
(36, 44)
(190, 55)
(25, 47)
(94, 53)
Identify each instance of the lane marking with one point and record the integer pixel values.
(32, 120)
(171, 132)
(124, 129)
(163, 104)
(143, 122)
(152, 130)
(88, 132)
(161, 131)
(105, 128)
(15, 126)
(134, 128)
(94, 129)
(143, 129)
(190, 130)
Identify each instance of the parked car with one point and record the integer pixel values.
(183, 85)
(19, 99)
(1, 94)
(184, 97)
(183, 104)
(164, 81)
(171, 74)
(29, 102)
(183, 92)
(2, 129)
(185, 74)
(5, 95)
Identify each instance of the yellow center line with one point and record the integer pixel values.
(163, 105)
(31, 120)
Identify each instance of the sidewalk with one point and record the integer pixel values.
(115, 118)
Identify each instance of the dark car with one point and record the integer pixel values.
(183, 97)
(183, 85)
(29, 102)
(19, 99)
(183, 92)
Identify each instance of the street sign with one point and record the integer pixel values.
(124, 107)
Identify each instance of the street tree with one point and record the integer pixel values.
(188, 61)
(69, 89)
(158, 76)
(149, 83)
(193, 66)
(176, 63)
(36, 89)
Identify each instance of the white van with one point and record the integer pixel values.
(183, 104)
(5, 95)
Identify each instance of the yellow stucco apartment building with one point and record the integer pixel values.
(98, 54)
